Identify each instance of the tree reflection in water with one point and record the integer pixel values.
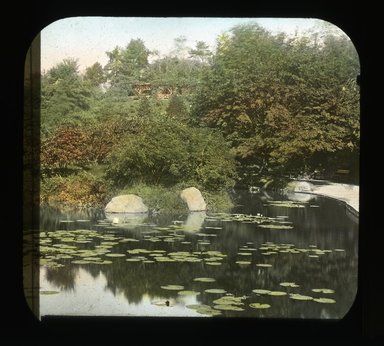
(323, 227)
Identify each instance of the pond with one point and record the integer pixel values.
(272, 256)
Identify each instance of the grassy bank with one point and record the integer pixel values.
(87, 190)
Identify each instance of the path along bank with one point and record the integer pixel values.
(342, 192)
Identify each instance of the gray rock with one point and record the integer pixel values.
(126, 204)
(194, 199)
(299, 186)
(303, 186)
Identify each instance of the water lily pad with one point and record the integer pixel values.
(80, 262)
(323, 290)
(127, 240)
(197, 306)
(339, 250)
(208, 312)
(215, 253)
(88, 253)
(105, 262)
(67, 240)
(228, 307)
(188, 293)
(148, 261)
(324, 300)
(259, 306)
(133, 260)
(179, 253)
(164, 259)
(277, 293)
(243, 262)
(213, 263)
(173, 287)
(244, 253)
(313, 256)
(297, 296)
(261, 291)
(213, 259)
(49, 292)
(215, 290)
(103, 246)
(169, 240)
(109, 243)
(192, 259)
(226, 300)
(264, 265)
(204, 279)
(153, 239)
(137, 251)
(288, 284)
(275, 226)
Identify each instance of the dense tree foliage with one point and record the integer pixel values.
(168, 152)
(63, 94)
(283, 103)
(273, 104)
(126, 67)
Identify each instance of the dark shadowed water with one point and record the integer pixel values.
(297, 252)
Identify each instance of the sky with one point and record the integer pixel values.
(87, 39)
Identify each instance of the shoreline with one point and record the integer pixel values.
(343, 192)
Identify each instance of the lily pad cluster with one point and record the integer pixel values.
(286, 204)
(295, 295)
(166, 245)
(59, 246)
(263, 222)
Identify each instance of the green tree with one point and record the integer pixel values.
(144, 110)
(177, 108)
(63, 95)
(180, 75)
(126, 67)
(94, 75)
(201, 52)
(169, 152)
(281, 103)
(180, 49)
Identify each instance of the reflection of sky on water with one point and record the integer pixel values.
(127, 289)
(91, 298)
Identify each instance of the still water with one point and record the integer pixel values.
(271, 256)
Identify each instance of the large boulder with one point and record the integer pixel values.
(299, 186)
(194, 199)
(126, 204)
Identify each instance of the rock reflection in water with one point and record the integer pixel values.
(133, 285)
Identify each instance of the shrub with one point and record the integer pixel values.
(168, 152)
(82, 189)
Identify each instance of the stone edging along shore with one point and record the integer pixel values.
(342, 192)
